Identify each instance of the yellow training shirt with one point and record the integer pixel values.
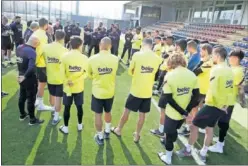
(143, 68)
(53, 53)
(137, 41)
(220, 92)
(238, 78)
(41, 35)
(204, 77)
(102, 69)
(179, 82)
(74, 66)
(158, 49)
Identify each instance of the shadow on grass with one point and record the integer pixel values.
(99, 156)
(235, 153)
(144, 156)
(120, 69)
(17, 137)
(127, 153)
(109, 153)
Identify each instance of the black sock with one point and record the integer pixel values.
(67, 114)
(80, 113)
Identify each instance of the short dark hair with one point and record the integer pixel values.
(147, 41)
(43, 22)
(157, 31)
(170, 37)
(207, 47)
(158, 37)
(204, 41)
(164, 38)
(75, 42)
(16, 17)
(29, 23)
(197, 41)
(182, 44)
(138, 28)
(59, 34)
(238, 53)
(192, 44)
(220, 51)
(149, 32)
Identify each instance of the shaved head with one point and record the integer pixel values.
(33, 41)
(34, 25)
(105, 43)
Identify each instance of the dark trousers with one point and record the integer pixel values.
(27, 92)
(125, 48)
(114, 50)
(96, 49)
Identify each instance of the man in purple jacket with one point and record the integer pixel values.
(26, 56)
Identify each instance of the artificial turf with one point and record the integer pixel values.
(44, 144)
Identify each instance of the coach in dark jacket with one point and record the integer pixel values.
(16, 27)
(26, 56)
(114, 36)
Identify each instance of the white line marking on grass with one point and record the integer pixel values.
(182, 139)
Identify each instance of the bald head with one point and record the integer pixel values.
(34, 26)
(105, 43)
(33, 41)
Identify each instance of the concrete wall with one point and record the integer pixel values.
(244, 20)
(168, 13)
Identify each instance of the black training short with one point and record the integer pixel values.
(227, 117)
(138, 104)
(134, 51)
(207, 116)
(41, 74)
(98, 105)
(6, 44)
(56, 90)
(77, 97)
(162, 101)
(171, 125)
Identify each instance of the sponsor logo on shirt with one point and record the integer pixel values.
(52, 60)
(229, 84)
(182, 91)
(146, 69)
(104, 70)
(74, 68)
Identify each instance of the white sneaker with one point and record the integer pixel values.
(155, 92)
(36, 103)
(203, 131)
(217, 148)
(42, 107)
(80, 127)
(164, 158)
(216, 139)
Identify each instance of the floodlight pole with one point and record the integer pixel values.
(49, 10)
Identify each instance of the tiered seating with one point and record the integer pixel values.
(241, 44)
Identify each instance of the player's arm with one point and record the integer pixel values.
(168, 95)
(194, 98)
(132, 66)
(198, 70)
(63, 70)
(214, 83)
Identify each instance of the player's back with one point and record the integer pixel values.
(102, 69)
(179, 82)
(220, 92)
(143, 68)
(53, 53)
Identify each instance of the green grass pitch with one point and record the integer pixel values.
(44, 144)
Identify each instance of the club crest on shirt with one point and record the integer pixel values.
(229, 84)
(182, 91)
(52, 60)
(74, 68)
(104, 70)
(146, 69)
